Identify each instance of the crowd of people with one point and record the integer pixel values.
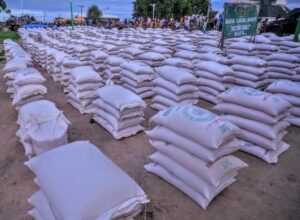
(200, 22)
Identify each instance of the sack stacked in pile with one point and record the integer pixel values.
(138, 77)
(97, 60)
(152, 59)
(98, 189)
(218, 58)
(166, 52)
(67, 65)
(119, 111)
(173, 86)
(212, 77)
(82, 88)
(186, 55)
(284, 43)
(131, 53)
(180, 63)
(13, 51)
(113, 68)
(264, 46)
(241, 49)
(249, 71)
(42, 127)
(55, 68)
(261, 116)
(82, 52)
(283, 66)
(290, 91)
(26, 86)
(192, 156)
(295, 51)
(10, 77)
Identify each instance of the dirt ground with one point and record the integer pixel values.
(262, 191)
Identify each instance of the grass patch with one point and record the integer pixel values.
(8, 35)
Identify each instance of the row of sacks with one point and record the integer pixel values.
(283, 66)
(195, 156)
(260, 116)
(25, 84)
(290, 91)
(104, 192)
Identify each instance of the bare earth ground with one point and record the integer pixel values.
(262, 191)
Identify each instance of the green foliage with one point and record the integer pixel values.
(2, 5)
(8, 35)
(94, 13)
(169, 8)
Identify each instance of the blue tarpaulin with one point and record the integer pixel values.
(29, 26)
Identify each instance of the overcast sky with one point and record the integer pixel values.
(56, 8)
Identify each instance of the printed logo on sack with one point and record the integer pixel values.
(198, 114)
(252, 92)
(226, 163)
(224, 128)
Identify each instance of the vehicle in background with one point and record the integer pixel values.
(283, 26)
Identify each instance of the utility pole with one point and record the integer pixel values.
(21, 6)
(81, 7)
(44, 16)
(153, 10)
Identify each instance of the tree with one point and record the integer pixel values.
(3, 7)
(169, 8)
(94, 13)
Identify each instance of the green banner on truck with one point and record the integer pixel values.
(240, 19)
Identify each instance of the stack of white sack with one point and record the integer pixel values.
(131, 53)
(186, 47)
(152, 59)
(14, 51)
(186, 55)
(119, 111)
(290, 91)
(284, 43)
(283, 66)
(30, 73)
(174, 86)
(138, 77)
(212, 79)
(113, 69)
(111, 50)
(42, 127)
(55, 69)
(166, 52)
(295, 51)
(218, 58)
(261, 116)
(263, 46)
(208, 43)
(194, 157)
(161, 43)
(15, 64)
(27, 86)
(97, 60)
(241, 49)
(82, 52)
(249, 71)
(180, 63)
(50, 62)
(77, 181)
(67, 65)
(82, 88)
